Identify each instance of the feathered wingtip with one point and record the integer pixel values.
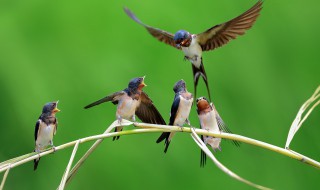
(164, 136)
(35, 162)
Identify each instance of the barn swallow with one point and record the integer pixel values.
(194, 44)
(132, 101)
(45, 128)
(180, 111)
(210, 120)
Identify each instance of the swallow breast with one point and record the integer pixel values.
(127, 107)
(193, 52)
(45, 135)
(183, 111)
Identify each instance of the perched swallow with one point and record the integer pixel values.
(193, 44)
(210, 120)
(180, 111)
(45, 128)
(132, 101)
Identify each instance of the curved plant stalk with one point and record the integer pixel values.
(74, 170)
(204, 147)
(66, 173)
(152, 128)
(4, 178)
(297, 122)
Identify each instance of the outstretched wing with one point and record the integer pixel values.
(221, 34)
(113, 97)
(147, 112)
(161, 35)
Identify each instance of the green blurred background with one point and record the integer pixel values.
(79, 51)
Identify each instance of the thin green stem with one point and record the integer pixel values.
(64, 178)
(4, 178)
(151, 128)
(205, 149)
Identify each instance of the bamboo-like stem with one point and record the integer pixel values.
(64, 178)
(204, 147)
(151, 128)
(4, 178)
(243, 139)
(297, 122)
(92, 148)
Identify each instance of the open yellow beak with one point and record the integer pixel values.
(142, 83)
(55, 110)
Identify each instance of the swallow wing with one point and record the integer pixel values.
(36, 130)
(222, 126)
(113, 97)
(147, 112)
(174, 108)
(55, 126)
(161, 35)
(221, 34)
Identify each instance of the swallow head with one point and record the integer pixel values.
(203, 104)
(182, 38)
(50, 108)
(137, 83)
(179, 86)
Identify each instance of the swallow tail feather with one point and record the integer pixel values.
(164, 136)
(197, 72)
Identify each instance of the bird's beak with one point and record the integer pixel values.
(184, 42)
(55, 110)
(142, 83)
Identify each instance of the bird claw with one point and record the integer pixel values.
(119, 120)
(188, 122)
(54, 148)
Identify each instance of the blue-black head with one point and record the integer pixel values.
(50, 108)
(137, 83)
(182, 38)
(179, 86)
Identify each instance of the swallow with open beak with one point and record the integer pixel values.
(45, 128)
(194, 44)
(132, 101)
(180, 111)
(211, 121)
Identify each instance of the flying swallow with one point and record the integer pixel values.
(180, 111)
(194, 44)
(132, 101)
(210, 120)
(45, 128)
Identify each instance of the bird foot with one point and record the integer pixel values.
(54, 148)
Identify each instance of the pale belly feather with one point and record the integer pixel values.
(183, 111)
(194, 52)
(126, 108)
(45, 136)
(209, 122)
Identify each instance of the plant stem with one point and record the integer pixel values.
(166, 128)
